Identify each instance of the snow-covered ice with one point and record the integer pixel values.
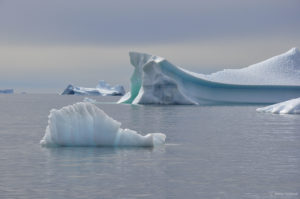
(102, 89)
(157, 81)
(84, 124)
(7, 91)
(283, 69)
(288, 107)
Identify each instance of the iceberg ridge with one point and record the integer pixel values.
(84, 124)
(157, 81)
(283, 69)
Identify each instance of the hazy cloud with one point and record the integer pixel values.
(135, 21)
(53, 67)
(51, 43)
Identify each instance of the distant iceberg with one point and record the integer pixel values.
(84, 124)
(156, 81)
(7, 91)
(86, 99)
(288, 107)
(102, 89)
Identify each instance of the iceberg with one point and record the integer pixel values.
(7, 91)
(157, 81)
(84, 124)
(86, 99)
(102, 89)
(288, 107)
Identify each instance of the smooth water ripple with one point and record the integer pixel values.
(210, 152)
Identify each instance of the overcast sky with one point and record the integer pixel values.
(44, 45)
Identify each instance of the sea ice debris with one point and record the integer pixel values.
(288, 107)
(86, 99)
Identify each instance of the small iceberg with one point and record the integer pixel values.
(288, 107)
(86, 99)
(84, 124)
(102, 89)
(7, 91)
(157, 81)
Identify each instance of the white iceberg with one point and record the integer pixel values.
(84, 124)
(102, 89)
(7, 91)
(157, 81)
(288, 107)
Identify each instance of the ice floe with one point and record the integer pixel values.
(288, 107)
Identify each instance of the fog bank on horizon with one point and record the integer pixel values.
(45, 45)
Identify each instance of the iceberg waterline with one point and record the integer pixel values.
(288, 107)
(157, 81)
(84, 124)
(102, 89)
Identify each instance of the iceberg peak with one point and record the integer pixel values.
(137, 58)
(294, 51)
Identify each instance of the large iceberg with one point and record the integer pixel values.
(157, 81)
(7, 91)
(84, 124)
(288, 107)
(102, 89)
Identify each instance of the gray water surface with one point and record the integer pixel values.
(211, 152)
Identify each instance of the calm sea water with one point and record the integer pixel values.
(211, 152)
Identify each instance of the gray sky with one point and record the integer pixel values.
(44, 45)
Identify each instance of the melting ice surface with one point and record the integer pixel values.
(288, 107)
(84, 124)
(156, 81)
(102, 89)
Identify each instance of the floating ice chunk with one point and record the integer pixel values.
(288, 107)
(7, 91)
(102, 89)
(86, 99)
(157, 81)
(84, 124)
